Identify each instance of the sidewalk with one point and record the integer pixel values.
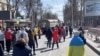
(93, 45)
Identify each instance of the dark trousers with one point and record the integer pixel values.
(1, 50)
(83, 38)
(35, 40)
(55, 43)
(8, 45)
(64, 37)
(66, 32)
(2, 44)
(70, 34)
(49, 43)
(13, 41)
(32, 45)
(39, 36)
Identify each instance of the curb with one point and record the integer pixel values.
(94, 49)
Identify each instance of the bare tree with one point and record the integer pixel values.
(68, 12)
(32, 8)
(49, 15)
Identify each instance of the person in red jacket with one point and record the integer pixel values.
(63, 33)
(8, 38)
(55, 37)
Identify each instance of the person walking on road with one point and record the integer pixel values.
(81, 29)
(17, 33)
(82, 34)
(66, 30)
(14, 36)
(8, 38)
(35, 35)
(70, 31)
(2, 38)
(49, 37)
(76, 46)
(63, 33)
(60, 32)
(31, 39)
(55, 37)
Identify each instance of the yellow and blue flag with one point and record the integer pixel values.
(76, 47)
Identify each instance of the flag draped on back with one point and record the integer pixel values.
(76, 47)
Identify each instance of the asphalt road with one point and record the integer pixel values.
(42, 50)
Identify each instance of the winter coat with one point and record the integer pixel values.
(30, 34)
(81, 29)
(21, 51)
(8, 35)
(49, 34)
(70, 29)
(31, 37)
(59, 30)
(55, 35)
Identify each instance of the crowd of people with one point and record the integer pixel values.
(23, 40)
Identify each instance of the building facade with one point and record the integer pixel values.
(3, 5)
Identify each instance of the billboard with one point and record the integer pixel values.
(92, 8)
(5, 15)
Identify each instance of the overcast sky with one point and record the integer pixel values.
(56, 6)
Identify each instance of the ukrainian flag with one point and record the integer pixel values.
(76, 47)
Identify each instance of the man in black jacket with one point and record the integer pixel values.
(70, 31)
(49, 37)
(82, 34)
